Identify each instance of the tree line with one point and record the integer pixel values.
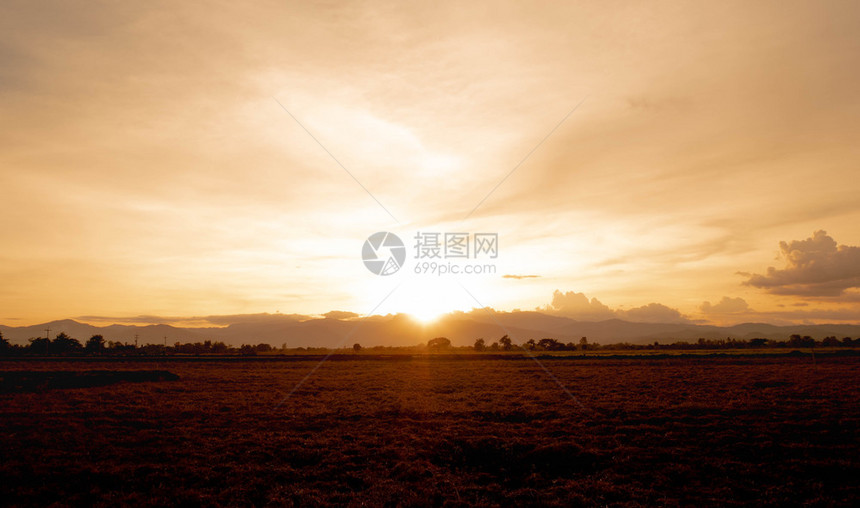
(63, 344)
(549, 344)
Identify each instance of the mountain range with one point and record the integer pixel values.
(402, 330)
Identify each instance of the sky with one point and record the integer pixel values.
(658, 161)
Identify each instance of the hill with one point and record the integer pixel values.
(401, 330)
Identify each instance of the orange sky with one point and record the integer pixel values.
(147, 167)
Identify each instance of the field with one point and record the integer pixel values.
(433, 431)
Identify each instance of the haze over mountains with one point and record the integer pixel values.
(342, 329)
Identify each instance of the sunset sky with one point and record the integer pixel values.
(178, 159)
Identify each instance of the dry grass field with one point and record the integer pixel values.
(431, 431)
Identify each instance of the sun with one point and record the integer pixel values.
(426, 316)
(428, 300)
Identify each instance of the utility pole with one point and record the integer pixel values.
(135, 341)
(48, 333)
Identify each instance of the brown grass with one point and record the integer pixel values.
(433, 431)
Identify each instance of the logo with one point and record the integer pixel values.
(383, 253)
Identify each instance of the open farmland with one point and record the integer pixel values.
(437, 431)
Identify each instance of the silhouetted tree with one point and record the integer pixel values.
(5, 346)
(480, 345)
(95, 344)
(530, 344)
(505, 342)
(356, 347)
(438, 343)
(583, 343)
(831, 342)
(39, 346)
(62, 343)
(550, 345)
(494, 346)
(798, 341)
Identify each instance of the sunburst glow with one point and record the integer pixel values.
(428, 300)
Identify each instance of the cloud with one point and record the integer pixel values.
(197, 321)
(340, 314)
(519, 277)
(816, 266)
(726, 306)
(652, 313)
(577, 306)
(140, 320)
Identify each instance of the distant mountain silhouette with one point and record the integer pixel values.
(401, 330)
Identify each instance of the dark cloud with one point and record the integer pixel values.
(816, 266)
